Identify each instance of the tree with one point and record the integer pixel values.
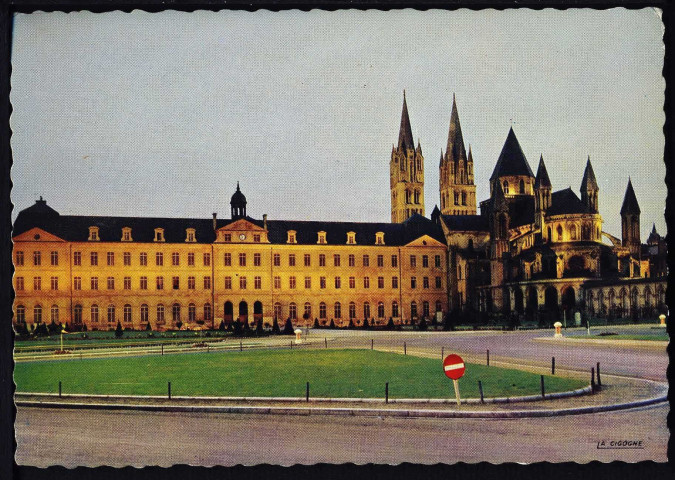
(259, 327)
(41, 330)
(390, 324)
(288, 328)
(275, 327)
(236, 327)
(118, 330)
(246, 325)
(221, 327)
(332, 324)
(365, 324)
(351, 324)
(316, 323)
(423, 324)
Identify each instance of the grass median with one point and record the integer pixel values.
(278, 373)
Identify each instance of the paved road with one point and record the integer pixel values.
(88, 437)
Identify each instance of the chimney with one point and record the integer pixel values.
(214, 221)
(265, 221)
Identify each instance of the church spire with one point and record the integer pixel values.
(542, 180)
(589, 182)
(405, 137)
(630, 203)
(455, 149)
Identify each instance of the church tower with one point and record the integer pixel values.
(542, 196)
(589, 188)
(630, 222)
(406, 173)
(458, 192)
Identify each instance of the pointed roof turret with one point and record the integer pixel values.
(455, 148)
(405, 137)
(512, 160)
(630, 203)
(419, 146)
(589, 182)
(470, 155)
(542, 180)
(499, 200)
(442, 159)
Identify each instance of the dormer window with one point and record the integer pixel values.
(322, 238)
(291, 237)
(379, 238)
(126, 234)
(227, 237)
(159, 234)
(351, 238)
(190, 235)
(93, 234)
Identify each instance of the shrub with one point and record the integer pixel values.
(423, 324)
(236, 327)
(41, 330)
(365, 324)
(288, 328)
(390, 324)
(84, 327)
(259, 328)
(332, 324)
(316, 323)
(148, 327)
(246, 325)
(118, 330)
(351, 324)
(275, 327)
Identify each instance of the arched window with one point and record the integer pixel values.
(413, 309)
(192, 313)
(126, 312)
(425, 309)
(502, 226)
(21, 314)
(366, 310)
(380, 309)
(308, 310)
(338, 310)
(77, 315)
(394, 309)
(559, 230)
(648, 297)
(277, 311)
(111, 313)
(456, 198)
(207, 312)
(550, 234)
(506, 186)
(439, 306)
(93, 312)
(352, 310)
(322, 310)
(417, 197)
(463, 198)
(160, 313)
(144, 313)
(521, 186)
(55, 314)
(573, 232)
(407, 196)
(293, 311)
(175, 312)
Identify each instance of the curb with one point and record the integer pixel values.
(365, 412)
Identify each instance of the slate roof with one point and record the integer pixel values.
(76, 228)
(521, 211)
(589, 182)
(542, 180)
(566, 201)
(405, 137)
(466, 223)
(511, 160)
(630, 203)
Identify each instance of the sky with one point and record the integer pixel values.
(161, 114)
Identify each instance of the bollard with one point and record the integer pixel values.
(488, 357)
(543, 391)
(162, 349)
(59, 388)
(442, 352)
(169, 389)
(307, 393)
(552, 365)
(241, 346)
(592, 380)
(325, 342)
(597, 374)
(372, 341)
(404, 349)
(480, 389)
(207, 349)
(386, 392)
(291, 344)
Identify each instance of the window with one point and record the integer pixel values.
(351, 260)
(228, 283)
(257, 282)
(207, 259)
(291, 236)
(144, 283)
(351, 238)
(308, 260)
(242, 259)
(37, 258)
(380, 309)
(380, 261)
(126, 258)
(413, 309)
(277, 310)
(256, 260)
(77, 315)
(227, 259)
(54, 258)
(308, 310)
(322, 310)
(322, 260)
(159, 259)
(77, 258)
(352, 282)
(380, 282)
(277, 282)
(191, 283)
(338, 282)
(379, 238)
(55, 314)
(394, 309)
(110, 259)
(463, 198)
(93, 259)
(126, 313)
(144, 313)
(559, 230)
(276, 259)
(126, 234)
(366, 261)
(425, 282)
(19, 258)
(37, 283)
(439, 282)
(338, 310)
(291, 260)
(110, 283)
(291, 282)
(366, 310)
(227, 237)
(127, 283)
(413, 282)
(207, 312)
(143, 259)
(336, 260)
(160, 283)
(94, 283)
(159, 234)
(160, 313)
(322, 282)
(292, 311)
(456, 198)
(321, 238)
(308, 282)
(192, 313)
(256, 237)
(190, 235)
(413, 261)
(191, 259)
(366, 282)
(20, 314)
(111, 314)
(93, 234)
(506, 187)
(439, 307)
(437, 261)
(394, 282)
(425, 261)
(93, 311)
(175, 259)
(175, 312)
(207, 283)
(352, 310)
(394, 261)
(425, 309)
(19, 283)
(37, 314)
(521, 186)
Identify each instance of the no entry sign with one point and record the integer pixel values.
(453, 366)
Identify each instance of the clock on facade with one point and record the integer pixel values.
(242, 236)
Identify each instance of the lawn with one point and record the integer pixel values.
(331, 373)
(661, 337)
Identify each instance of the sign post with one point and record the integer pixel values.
(454, 368)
